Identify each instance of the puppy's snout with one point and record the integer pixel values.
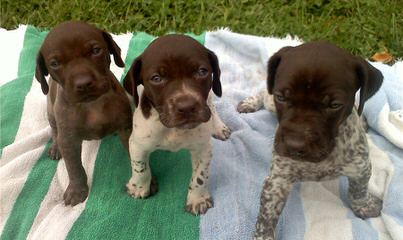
(83, 83)
(186, 106)
(296, 146)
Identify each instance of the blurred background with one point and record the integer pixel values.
(364, 27)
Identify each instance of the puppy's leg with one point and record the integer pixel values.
(124, 136)
(220, 130)
(363, 204)
(70, 148)
(53, 151)
(141, 184)
(274, 196)
(199, 199)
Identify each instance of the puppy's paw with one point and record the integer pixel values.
(222, 133)
(199, 206)
(369, 208)
(258, 237)
(75, 194)
(248, 105)
(54, 152)
(142, 191)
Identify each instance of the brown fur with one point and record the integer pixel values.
(85, 100)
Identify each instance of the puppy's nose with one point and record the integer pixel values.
(83, 83)
(186, 106)
(296, 146)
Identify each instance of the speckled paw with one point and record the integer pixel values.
(200, 206)
(371, 208)
(223, 133)
(138, 191)
(245, 106)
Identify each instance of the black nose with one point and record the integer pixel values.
(186, 106)
(83, 83)
(296, 146)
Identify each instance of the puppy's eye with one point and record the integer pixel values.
(279, 98)
(54, 64)
(156, 78)
(335, 105)
(202, 72)
(96, 51)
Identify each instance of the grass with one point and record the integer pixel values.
(361, 26)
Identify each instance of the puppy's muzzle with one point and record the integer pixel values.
(296, 146)
(83, 83)
(188, 112)
(87, 87)
(303, 145)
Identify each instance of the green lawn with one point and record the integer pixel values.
(362, 26)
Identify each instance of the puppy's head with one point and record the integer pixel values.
(77, 56)
(177, 73)
(314, 88)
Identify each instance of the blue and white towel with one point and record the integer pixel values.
(31, 186)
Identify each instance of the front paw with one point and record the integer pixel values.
(199, 206)
(54, 152)
(259, 237)
(369, 208)
(223, 133)
(142, 191)
(75, 194)
(247, 106)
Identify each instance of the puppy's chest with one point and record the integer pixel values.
(94, 121)
(151, 134)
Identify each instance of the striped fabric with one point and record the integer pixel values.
(32, 185)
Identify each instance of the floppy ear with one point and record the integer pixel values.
(369, 81)
(40, 72)
(272, 65)
(133, 79)
(113, 49)
(216, 73)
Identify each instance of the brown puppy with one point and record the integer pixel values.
(85, 100)
(320, 135)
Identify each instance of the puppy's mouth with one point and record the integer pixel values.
(313, 152)
(184, 122)
(94, 93)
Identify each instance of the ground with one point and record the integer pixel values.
(364, 27)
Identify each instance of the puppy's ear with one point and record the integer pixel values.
(113, 49)
(369, 81)
(272, 65)
(40, 72)
(133, 79)
(216, 73)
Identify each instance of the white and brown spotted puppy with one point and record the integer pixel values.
(320, 134)
(175, 112)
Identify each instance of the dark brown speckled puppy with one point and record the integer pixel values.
(320, 134)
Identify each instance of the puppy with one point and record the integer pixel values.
(174, 112)
(320, 135)
(84, 99)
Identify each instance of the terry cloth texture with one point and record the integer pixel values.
(32, 185)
